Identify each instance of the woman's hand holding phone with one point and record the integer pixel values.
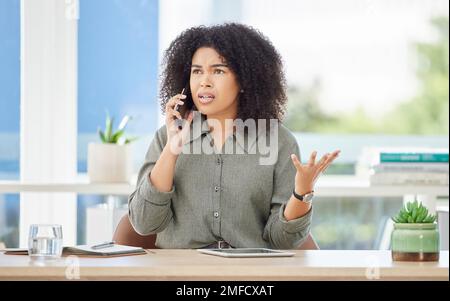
(176, 137)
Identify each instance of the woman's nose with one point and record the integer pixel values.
(205, 82)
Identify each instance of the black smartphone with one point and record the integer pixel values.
(179, 122)
(177, 106)
(187, 106)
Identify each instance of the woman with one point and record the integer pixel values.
(210, 198)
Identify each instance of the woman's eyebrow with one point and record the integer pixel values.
(211, 66)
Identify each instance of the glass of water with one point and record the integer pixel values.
(45, 241)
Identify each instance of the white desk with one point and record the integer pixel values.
(191, 265)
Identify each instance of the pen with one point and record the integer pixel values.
(103, 245)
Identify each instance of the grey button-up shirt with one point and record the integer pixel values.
(219, 195)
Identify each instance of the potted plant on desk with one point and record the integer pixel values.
(110, 161)
(415, 236)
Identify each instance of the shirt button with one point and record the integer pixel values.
(219, 161)
(217, 188)
(211, 143)
(216, 214)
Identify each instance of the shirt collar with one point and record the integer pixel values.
(199, 127)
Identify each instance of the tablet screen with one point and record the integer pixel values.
(246, 252)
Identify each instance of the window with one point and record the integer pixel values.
(117, 73)
(9, 117)
(361, 67)
(360, 73)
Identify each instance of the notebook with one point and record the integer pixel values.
(86, 250)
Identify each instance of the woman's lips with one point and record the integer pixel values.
(205, 98)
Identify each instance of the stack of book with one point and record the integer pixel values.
(410, 167)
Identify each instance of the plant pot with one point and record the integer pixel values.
(415, 242)
(109, 163)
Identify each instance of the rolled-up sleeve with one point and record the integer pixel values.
(149, 210)
(279, 232)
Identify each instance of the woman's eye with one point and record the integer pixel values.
(218, 71)
(195, 71)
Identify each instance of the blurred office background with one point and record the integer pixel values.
(360, 73)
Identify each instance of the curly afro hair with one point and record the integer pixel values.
(250, 55)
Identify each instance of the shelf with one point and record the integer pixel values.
(352, 186)
(81, 186)
(326, 186)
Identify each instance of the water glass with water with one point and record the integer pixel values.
(45, 241)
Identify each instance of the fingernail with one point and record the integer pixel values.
(183, 96)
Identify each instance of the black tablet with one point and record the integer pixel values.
(246, 252)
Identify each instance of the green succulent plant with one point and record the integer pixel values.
(414, 212)
(115, 137)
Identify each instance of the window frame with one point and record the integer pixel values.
(48, 114)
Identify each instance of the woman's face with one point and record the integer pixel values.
(213, 85)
